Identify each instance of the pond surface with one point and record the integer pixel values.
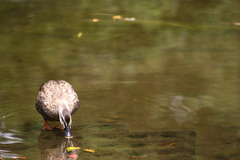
(156, 79)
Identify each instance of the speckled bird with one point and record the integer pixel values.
(57, 101)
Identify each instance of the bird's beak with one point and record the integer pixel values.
(67, 132)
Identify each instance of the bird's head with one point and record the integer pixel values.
(66, 121)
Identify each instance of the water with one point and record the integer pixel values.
(164, 85)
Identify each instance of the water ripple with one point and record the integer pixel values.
(9, 138)
(8, 154)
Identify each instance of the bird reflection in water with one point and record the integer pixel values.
(69, 154)
(181, 111)
(53, 146)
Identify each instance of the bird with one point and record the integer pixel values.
(57, 101)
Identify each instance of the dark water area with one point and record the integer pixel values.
(156, 79)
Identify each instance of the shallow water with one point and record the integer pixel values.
(164, 85)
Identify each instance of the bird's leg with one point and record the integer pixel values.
(59, 127)
(46, 127)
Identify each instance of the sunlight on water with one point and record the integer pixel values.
(7, 135)
(9, 138)
(8, 154)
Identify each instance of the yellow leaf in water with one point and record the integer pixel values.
(133, 157)
(21, 157)
(79, 34)
(108, 120)
(95, 20)
(172, 144)
(69, 149)
(117, 17)
(90, 150)
(237, 23)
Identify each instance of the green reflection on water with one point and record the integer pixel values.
(175, 68)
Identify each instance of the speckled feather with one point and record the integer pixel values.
(51, 95)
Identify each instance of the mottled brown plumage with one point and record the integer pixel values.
(54, 96)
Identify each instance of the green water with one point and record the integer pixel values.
(164, 85)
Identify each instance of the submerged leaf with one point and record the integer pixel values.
(117, 17)
(133, 157)
(237, 23)
(108, 120)
(21, 158)
(90, 150)
(95, 20)
(79, 34)
(172, 144)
